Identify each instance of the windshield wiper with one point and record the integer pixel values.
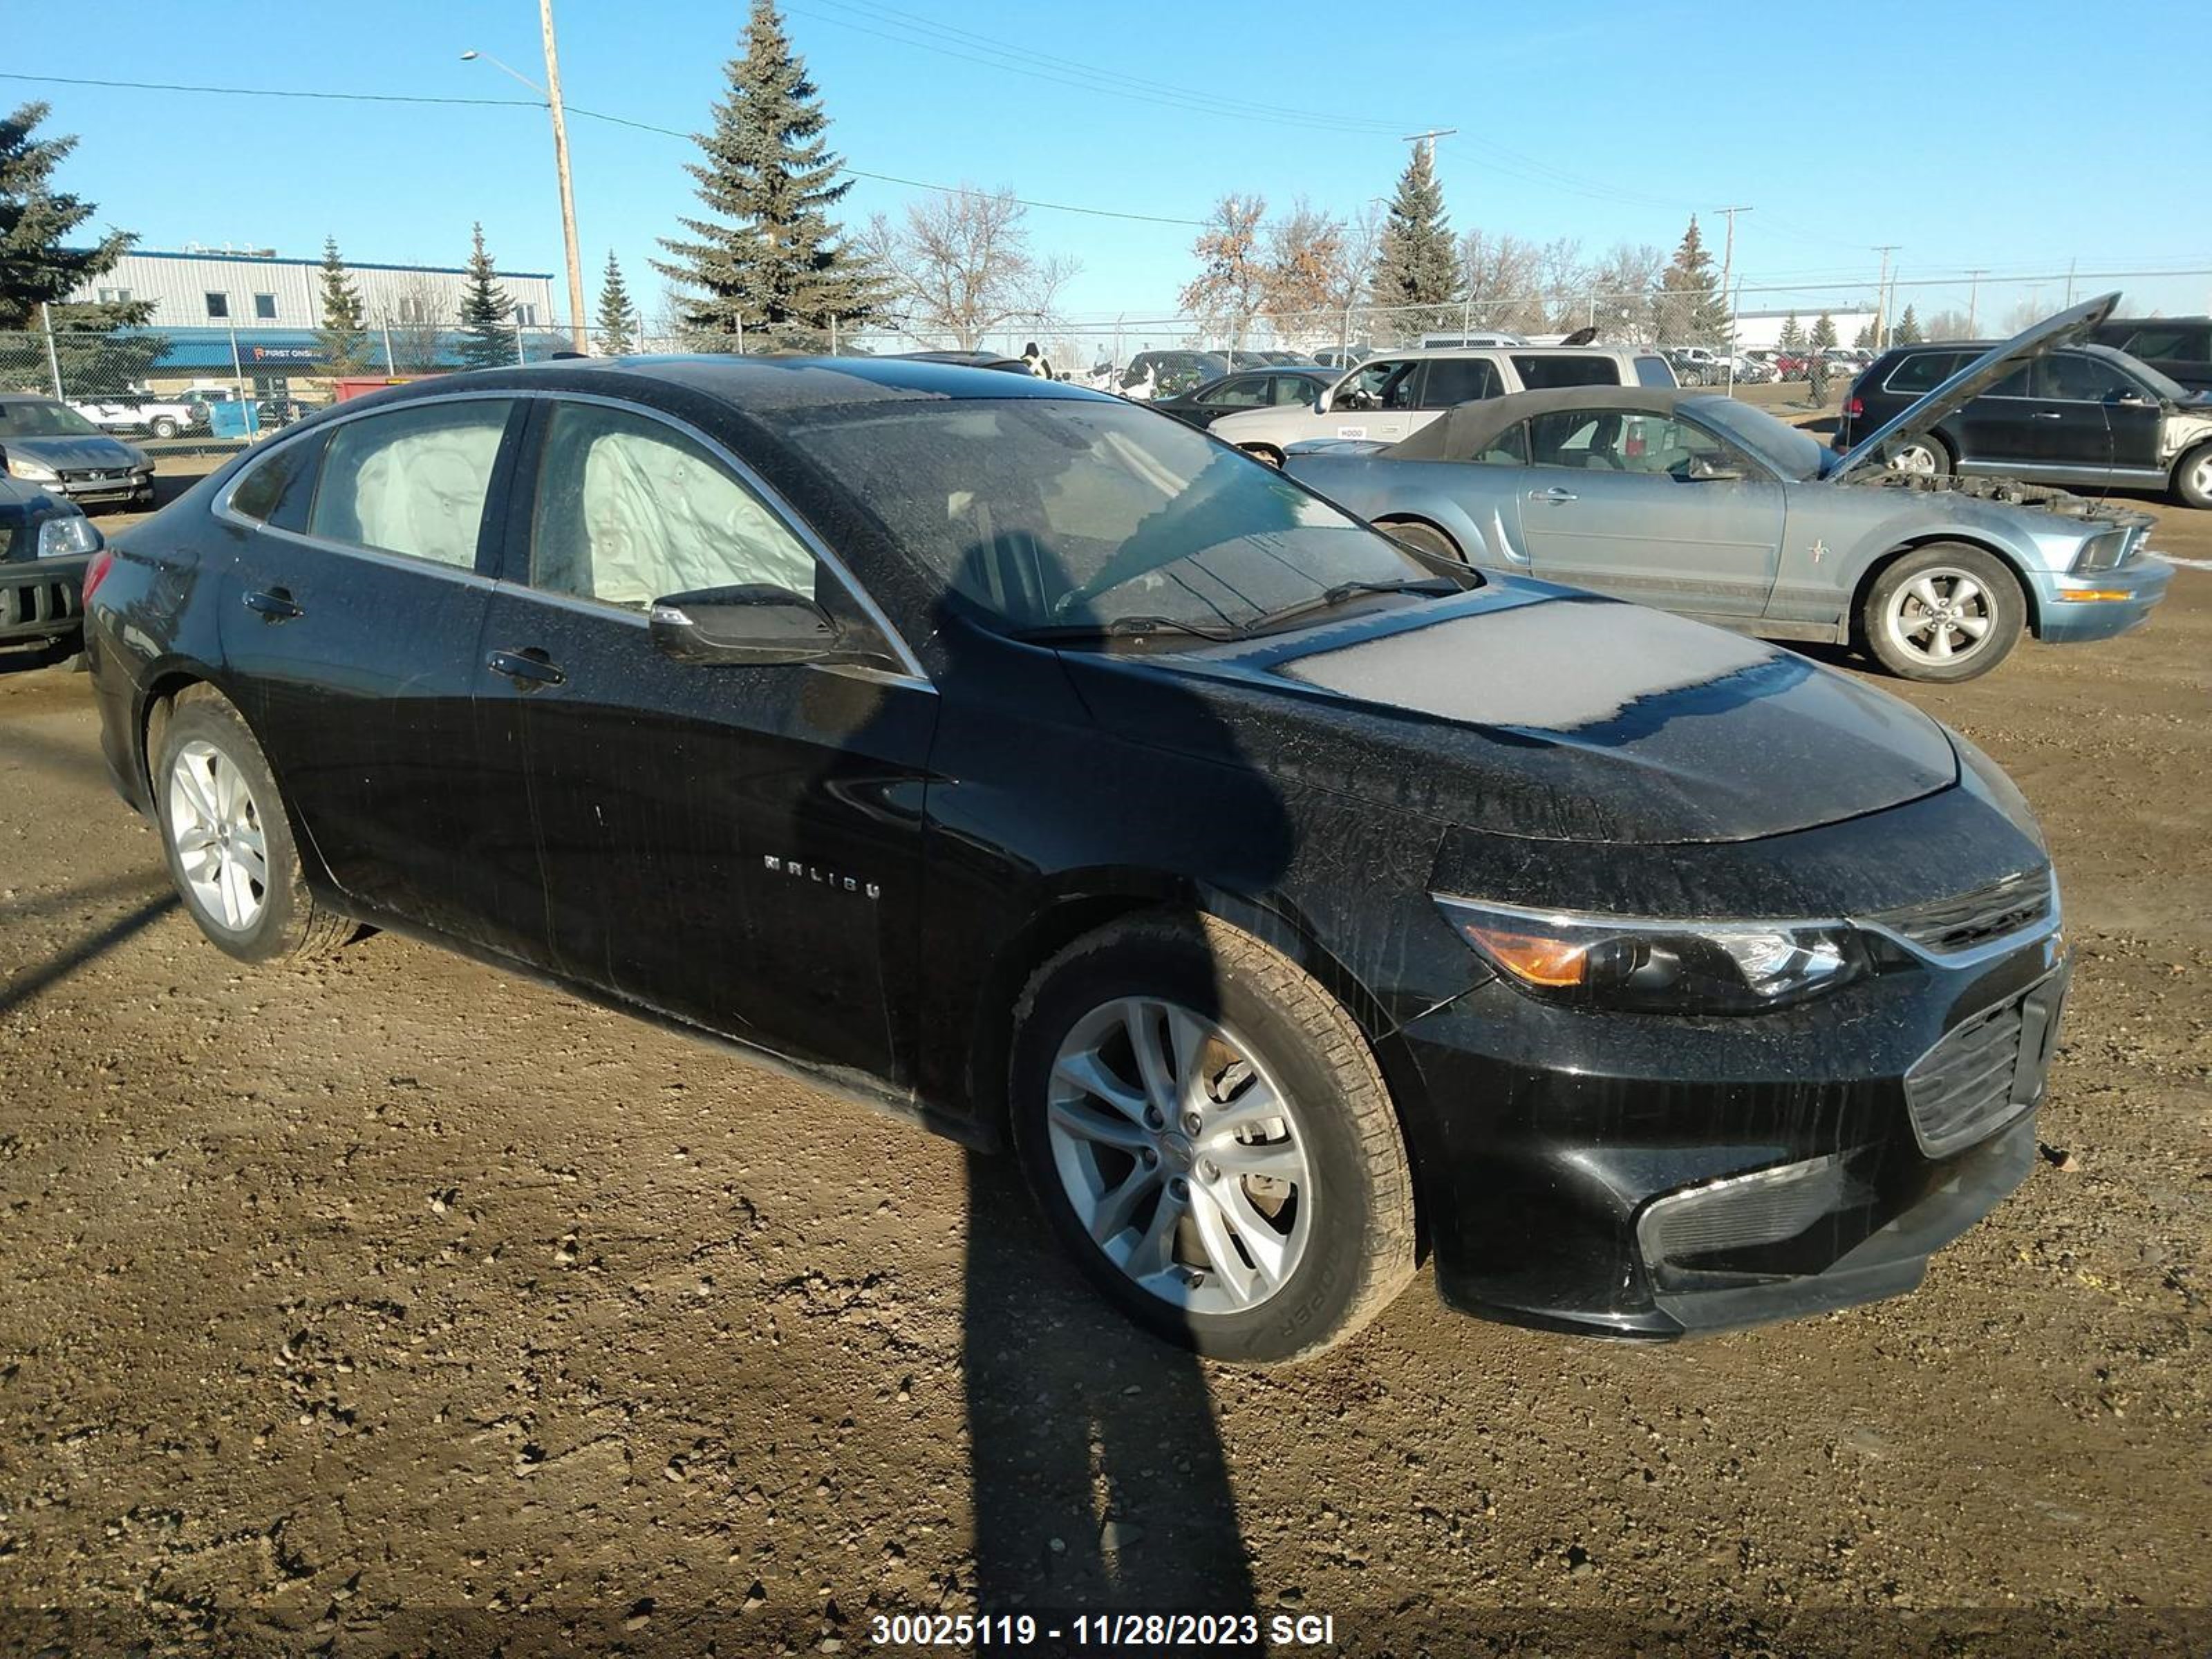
(1343, 592)
(1124, 628)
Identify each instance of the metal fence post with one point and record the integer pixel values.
(53, 358)
(520, 360)
(384, 322)
(238, 381)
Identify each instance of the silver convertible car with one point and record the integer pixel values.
(1694, 503)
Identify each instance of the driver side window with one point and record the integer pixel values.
(1367, 389)
(630, 511)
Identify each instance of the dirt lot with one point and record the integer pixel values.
(398, 1306)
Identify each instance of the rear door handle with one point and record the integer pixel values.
(529, 669)
(2048, 415)
(273, 605)
(1554, 494)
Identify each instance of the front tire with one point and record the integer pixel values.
(2192, 477)
(1423, 539)
(1210, 1136)
(164, 427)
(1266, 453)
(229, 840)
(1944, 612)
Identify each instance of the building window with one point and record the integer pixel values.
(114, 296)
(413, 310)
(265, 307)
(526, 316)
(218, 306)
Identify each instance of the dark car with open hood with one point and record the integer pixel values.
(1297, 905)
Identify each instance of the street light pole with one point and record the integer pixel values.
(550, 95)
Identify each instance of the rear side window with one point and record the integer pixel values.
(1246, 391)
(1509, 448)
(2168, 340)
(1653, 371)
(412, 481)
(1459, 381)
(277, 489)
(1540, 373)
(1924, 371)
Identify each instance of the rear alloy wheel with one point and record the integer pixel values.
(2192, 477)
(230, 844)
(1208, 1133)
(164, 427)
(1943, 612)
(1922, 457)
(1263, 452)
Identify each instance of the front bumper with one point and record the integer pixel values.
(102, 486)
(39, 598)
(1624, 1175)
(2103, 604)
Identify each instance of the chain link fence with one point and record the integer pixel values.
(201, 388)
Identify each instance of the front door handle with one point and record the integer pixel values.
(1554, 494)
(273, 605)
(2047, 415)
(529, 669)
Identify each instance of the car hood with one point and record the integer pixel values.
(2068, 326)
(87, 450)
(1524, 709)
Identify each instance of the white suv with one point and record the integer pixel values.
(1395, 394)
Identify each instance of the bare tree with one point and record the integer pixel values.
(1948, 325)
(1231, 285)
(1303, 271)
(1617, 292)
(1498, 274)
(1562, 283)
(415, 322)
(960, 267)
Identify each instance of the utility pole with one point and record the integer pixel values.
(1727, 252)
(1882, 299)
(1428, 140)
(560, 164)
(1973, 300)
(2071, 265)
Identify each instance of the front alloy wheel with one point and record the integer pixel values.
(1946, 611)
(1180, 1155)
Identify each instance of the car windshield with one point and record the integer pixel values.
(35, 417)
(1787, 450)
(1094, 515)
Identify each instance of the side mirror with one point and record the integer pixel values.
(1323, 399)
(1706, 471)
(2129, 396)
(758, 624)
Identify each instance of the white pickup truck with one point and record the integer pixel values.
(163, 417)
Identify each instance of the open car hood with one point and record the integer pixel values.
(2065, 328)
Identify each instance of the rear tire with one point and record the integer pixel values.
(2192, 477)
(1944, 612)
(1310, 1204)
(164, 427)
(1927, 457)
(1423, 539)
(228, 839)
(1265, 452)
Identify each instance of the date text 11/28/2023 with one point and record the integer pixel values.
(1101, 1632)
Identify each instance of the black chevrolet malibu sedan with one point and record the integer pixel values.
(1298, 905)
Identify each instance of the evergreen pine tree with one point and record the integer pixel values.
(342, 340)
(1417, 263)
(1690, 307)
(1824, 332)
(1791, 341)
(37, 225)
(768, 261)
(618, 330)
(487, 338)
(1863, 340)
(1907, 331)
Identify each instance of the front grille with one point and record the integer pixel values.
(1949, 926)
(1983, 1071)
(93, 474)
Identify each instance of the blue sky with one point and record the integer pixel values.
(2014, 138)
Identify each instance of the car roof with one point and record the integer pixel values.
(1497, 351)
(763, 384)
(1467, 429)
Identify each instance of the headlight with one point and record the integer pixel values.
(2103, 552)
(63, 538)
(1657, 966)
(23, 466)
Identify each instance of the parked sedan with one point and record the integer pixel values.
(1707, 505)
(1258, 389)
(996, 752)
(48, 443)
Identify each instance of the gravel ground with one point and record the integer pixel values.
(395, 1305)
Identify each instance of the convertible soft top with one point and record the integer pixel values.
(1468, 430)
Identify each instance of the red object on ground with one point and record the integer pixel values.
(360, 386)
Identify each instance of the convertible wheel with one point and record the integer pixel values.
(1943, 612)
(1423, 539)
(1922, 457)
(1263, 452)
(230, 844)
(1209, 1134)
(2192, 477)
